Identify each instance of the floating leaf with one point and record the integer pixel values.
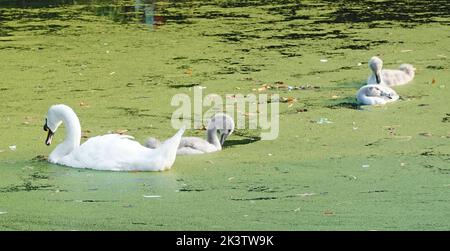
(84, 104)
(328, 213)
(120, 131)
(188, 72)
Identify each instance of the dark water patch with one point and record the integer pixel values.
(180, 58)
(264, 189)
(411, 12)
(255, 199)
(242, 69)
(435, 67)
(318, 72)
(436, 169)
(39, 176)
(218, 14)
(345, 105)
(189, 188)
(94, 201)
(335, 34)
(27, 186)
(45, 29)
(362, 46)
(130, 111)
(233, 37)
(278, 46)
(375, 191)
(243, 3)
(178, 86)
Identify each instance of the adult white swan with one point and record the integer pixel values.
(376, 95)
(402, 76)
(108, 152)
(220, 126)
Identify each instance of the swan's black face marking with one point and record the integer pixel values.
(50, 134)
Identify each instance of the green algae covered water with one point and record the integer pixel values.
(118, 64)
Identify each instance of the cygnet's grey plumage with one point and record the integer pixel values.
(219, 128)
(376, 94)
(403, 75)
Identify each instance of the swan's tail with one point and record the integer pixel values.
(168, 149)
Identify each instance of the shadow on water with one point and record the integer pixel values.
(246, 141)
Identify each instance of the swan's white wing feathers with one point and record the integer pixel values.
(112, 152)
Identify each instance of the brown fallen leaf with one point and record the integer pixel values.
(328, 213)
(433, 82)
(188, 72)
(83, 104)
(121, 131)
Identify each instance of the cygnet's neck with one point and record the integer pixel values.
(212, 138)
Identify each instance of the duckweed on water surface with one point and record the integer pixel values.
(118, 64)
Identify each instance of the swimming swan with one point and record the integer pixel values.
(402, 76)
(108, 152)
(221, 124)
(376, 95)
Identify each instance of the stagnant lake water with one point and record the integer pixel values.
(119, 63)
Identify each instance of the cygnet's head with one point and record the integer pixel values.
(408, 69)
(54, 119)
(376, 64)
(223, 125)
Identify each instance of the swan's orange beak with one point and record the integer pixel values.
(50, 134)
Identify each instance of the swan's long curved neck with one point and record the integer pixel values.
(73, 135)
(212, 138)
(73, 130)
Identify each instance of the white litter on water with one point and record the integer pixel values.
(305, 194)
(365, 166)
(13, 147)
(3, 213)
(324, 60)
(324, 121)
(152, 196)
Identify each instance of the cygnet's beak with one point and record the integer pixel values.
(223, 137)
(378, 77)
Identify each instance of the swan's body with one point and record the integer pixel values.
(376, 95)
(402, 76)
(221, 124)
(108, 152)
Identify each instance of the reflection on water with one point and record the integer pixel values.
(122, 11)
(140, 11)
